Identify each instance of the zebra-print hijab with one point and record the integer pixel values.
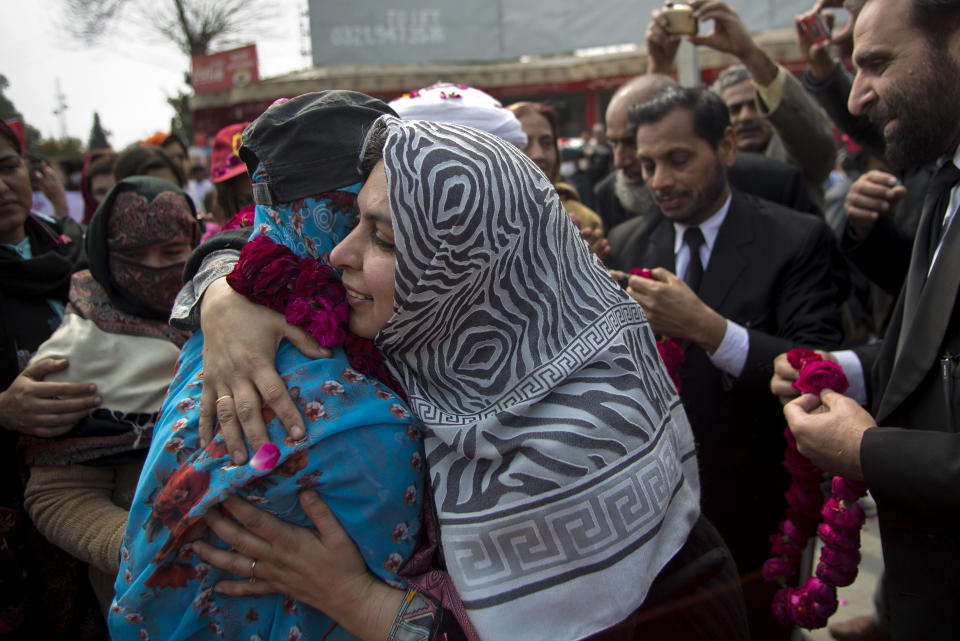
(561, 459)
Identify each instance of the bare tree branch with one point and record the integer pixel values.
(195, 26)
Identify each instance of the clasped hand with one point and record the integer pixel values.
(240, 342)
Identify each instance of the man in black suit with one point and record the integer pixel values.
(907, 54)
(756, 280)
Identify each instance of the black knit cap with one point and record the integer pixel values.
(309, 144)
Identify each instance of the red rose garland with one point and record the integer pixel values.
(810, 605)
(669, 348)
(308, 292)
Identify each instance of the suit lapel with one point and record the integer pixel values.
(923, 326)
(916, 275)
(726, 259)
(661, 244)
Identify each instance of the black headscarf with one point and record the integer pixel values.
(154, 193)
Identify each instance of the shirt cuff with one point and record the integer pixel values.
(731, 355)
(853, 370)
(186, 309)
(772, 94)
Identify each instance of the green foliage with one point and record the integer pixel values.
(98, 135)
(8, 111)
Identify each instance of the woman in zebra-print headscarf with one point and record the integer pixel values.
(561, 460)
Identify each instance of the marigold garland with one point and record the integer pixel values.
(810, 605)
(308, 292)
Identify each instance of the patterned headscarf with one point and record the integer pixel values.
(560, 457)
(361, 452)
(138, 212)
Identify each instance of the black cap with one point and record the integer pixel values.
(309, 144)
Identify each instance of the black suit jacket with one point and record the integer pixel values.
(771, 272)
(913, 467)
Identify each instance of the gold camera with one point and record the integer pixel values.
(680, 20)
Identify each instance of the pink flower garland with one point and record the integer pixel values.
(669, 348)
(810, 605)
(308, 292)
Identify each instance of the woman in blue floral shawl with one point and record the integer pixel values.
(362, 450)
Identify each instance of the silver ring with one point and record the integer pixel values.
(253, 567)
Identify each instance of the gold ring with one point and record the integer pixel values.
(220, 398)
(253, 567)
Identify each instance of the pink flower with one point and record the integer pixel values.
(173, 445)
(186, 405)
(392, 564)
(847, 514)
(415, 461)
(833, 575)
(784, 546)
(801, 356)
(351, 376)
(779, 570)
(413, 433)
(399, 411)
(848, 490)
(382, 393)
(266, 457)
(332, 388)
(313, 411)
(399, 532)
(839, 537)
(265, 272)
(816, 376)
(802, 500)
(672, 355)
(410, 496)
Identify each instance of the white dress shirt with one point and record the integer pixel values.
(731, 355)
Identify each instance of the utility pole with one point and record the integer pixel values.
(306, 46)
(60, 109)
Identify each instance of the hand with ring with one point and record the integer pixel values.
(275, 556)
(240, 341)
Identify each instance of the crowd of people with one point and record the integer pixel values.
(401, 370)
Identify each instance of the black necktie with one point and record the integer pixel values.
(938, 199)
(693, 238)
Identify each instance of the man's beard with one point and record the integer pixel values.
(635, 198)
(926, 120)
(705, 203)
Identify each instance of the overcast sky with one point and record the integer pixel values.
(126, 79)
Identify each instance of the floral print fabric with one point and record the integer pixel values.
(362, 453)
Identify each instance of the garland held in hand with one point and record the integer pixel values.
(670, 351)
(308, 292)
(810, 605)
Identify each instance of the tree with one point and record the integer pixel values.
(8, 111)
(98, 135)
(195, 26)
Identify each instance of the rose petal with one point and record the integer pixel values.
(266, 457)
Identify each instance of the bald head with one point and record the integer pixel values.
(633, 92)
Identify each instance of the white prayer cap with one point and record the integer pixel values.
(461, 105)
